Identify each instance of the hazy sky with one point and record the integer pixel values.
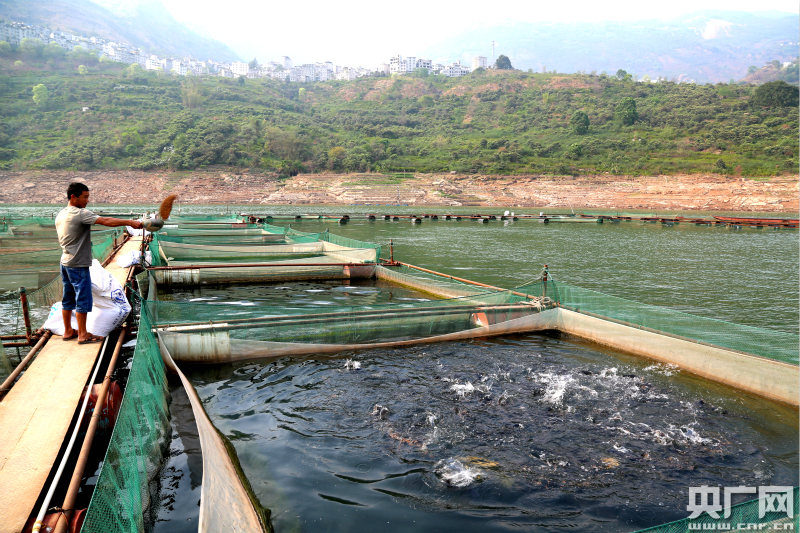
(365, 32)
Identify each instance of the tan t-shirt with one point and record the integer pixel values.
(74, 228)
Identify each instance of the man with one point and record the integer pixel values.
(74, 225)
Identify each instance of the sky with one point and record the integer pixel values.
(366, 32)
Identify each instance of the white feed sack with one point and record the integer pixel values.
(110, 305)
(133, 258)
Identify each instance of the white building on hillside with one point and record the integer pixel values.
(455, 70)
(478, 62)
(287, 62)
(239, 68)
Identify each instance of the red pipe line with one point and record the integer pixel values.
(86, 447)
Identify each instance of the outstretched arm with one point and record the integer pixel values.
(115, 222)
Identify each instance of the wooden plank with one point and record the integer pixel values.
(36, 414)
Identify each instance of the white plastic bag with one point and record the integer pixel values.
(137, 232)
(133, 258)
(110, 306)
(55, 322)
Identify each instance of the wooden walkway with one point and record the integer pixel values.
(36, 414)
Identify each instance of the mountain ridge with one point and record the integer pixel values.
(705, 46)
(145, 24)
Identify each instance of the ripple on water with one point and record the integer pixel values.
(554, 434)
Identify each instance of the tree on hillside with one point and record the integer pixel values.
(54, 51)
(82, 70)
(253, 64)
(5, 48)
(241, 80)
(579, 123)
(626, 111)
(623, 75)
(751, 69)
(503, 63)
(40, 95)
(336, 157)
(31, 47)
(775, 94)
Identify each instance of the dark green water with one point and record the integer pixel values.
(527, 431)
(524, 431)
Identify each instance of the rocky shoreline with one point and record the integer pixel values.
(688, 192)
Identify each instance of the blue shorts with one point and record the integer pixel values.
(77, 289)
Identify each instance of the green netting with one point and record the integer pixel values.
(226, 224)
(776, 345)
(204, 218)
(181, 253)
(121, 501)
(7, 222)
(431, 283)
(274, 229)
(744, 516)
(34, 269)
(220, 236)
(292, 235)
(9, 242)
(348, 242)
(353, 324)
(39, 303)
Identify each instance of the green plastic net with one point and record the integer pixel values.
(322, 247)
(744, 516)
(204, 218)
(122, 501)
(33, 269)
(772, 344)
(220, 236)
(206, 333)
(40, 301)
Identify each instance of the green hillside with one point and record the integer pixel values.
(495, 122)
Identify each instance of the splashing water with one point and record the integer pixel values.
(454, 473)
(565, 434)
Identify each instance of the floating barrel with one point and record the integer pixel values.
(485, 220)
(344, 220)
(395, 218)
(448, 217)
(387, 217)
(458, 218)
(492, 217)
(298, 217)
(417, 220)
(372, 217)
(434, 217)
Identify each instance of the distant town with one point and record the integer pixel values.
(15, 32)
